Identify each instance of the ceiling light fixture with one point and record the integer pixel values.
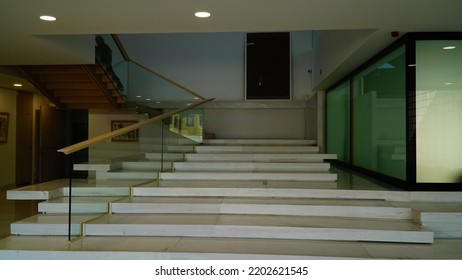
(202, 14)
(47, 18)
(448, 84)
(449, 47)
(17, 85)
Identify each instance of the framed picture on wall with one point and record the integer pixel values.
(131, 136)
(4, 118)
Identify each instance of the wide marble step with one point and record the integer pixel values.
(128, 175)
(313, 190)
(99, 166)
(224, 157)
(193, 248)
(261, 142)
(51, 224)
(258, 226)
(234, 184)
(146, 165)
(444, 224)
(246, 176)
(80, 205)
(180, 148)
(165, 156)
(257, 149)
(251, 167)
(262, 206)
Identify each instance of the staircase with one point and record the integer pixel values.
(75, 86)
(228, 199)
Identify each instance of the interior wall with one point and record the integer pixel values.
(38, 101)
(101, 123)
(98, 124)
(8, 149)
(247, 120)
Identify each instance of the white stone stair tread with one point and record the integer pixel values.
(260, 190)
(255, 220)
(127, 247)
(180, 148)
(131, 174)
(220, 157)
(432, 206)
(95, 166)
(116, 188)
(299, 207)
(273, 142)
(50, 224)
(257, 149)
(145, 165)
(87, 204)
(251, 166)
(260, 226)
(165, 156)
(237, 184)
(258, 200)
(318, 176)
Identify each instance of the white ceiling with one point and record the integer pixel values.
(25, 39)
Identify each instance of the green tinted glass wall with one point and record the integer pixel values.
(379, 116)
(338, 122)
(439, 111)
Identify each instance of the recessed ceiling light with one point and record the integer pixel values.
(202, 14)
(138, 96)
(448, 84)
(148, 99)
(17, 85)
(47, 18)
(449, 47)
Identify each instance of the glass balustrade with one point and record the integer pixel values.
(162, 121)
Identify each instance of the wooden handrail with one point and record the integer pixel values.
(87, 143)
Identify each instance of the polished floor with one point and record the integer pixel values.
(213, 248)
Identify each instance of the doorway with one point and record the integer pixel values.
(268, 66)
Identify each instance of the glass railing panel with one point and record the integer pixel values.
(139, 156)
(189, 124)
(148, 89)
(109, 56)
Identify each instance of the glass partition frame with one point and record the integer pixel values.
(410, 182)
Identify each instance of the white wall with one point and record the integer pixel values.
(339, 52)
(8, 150)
